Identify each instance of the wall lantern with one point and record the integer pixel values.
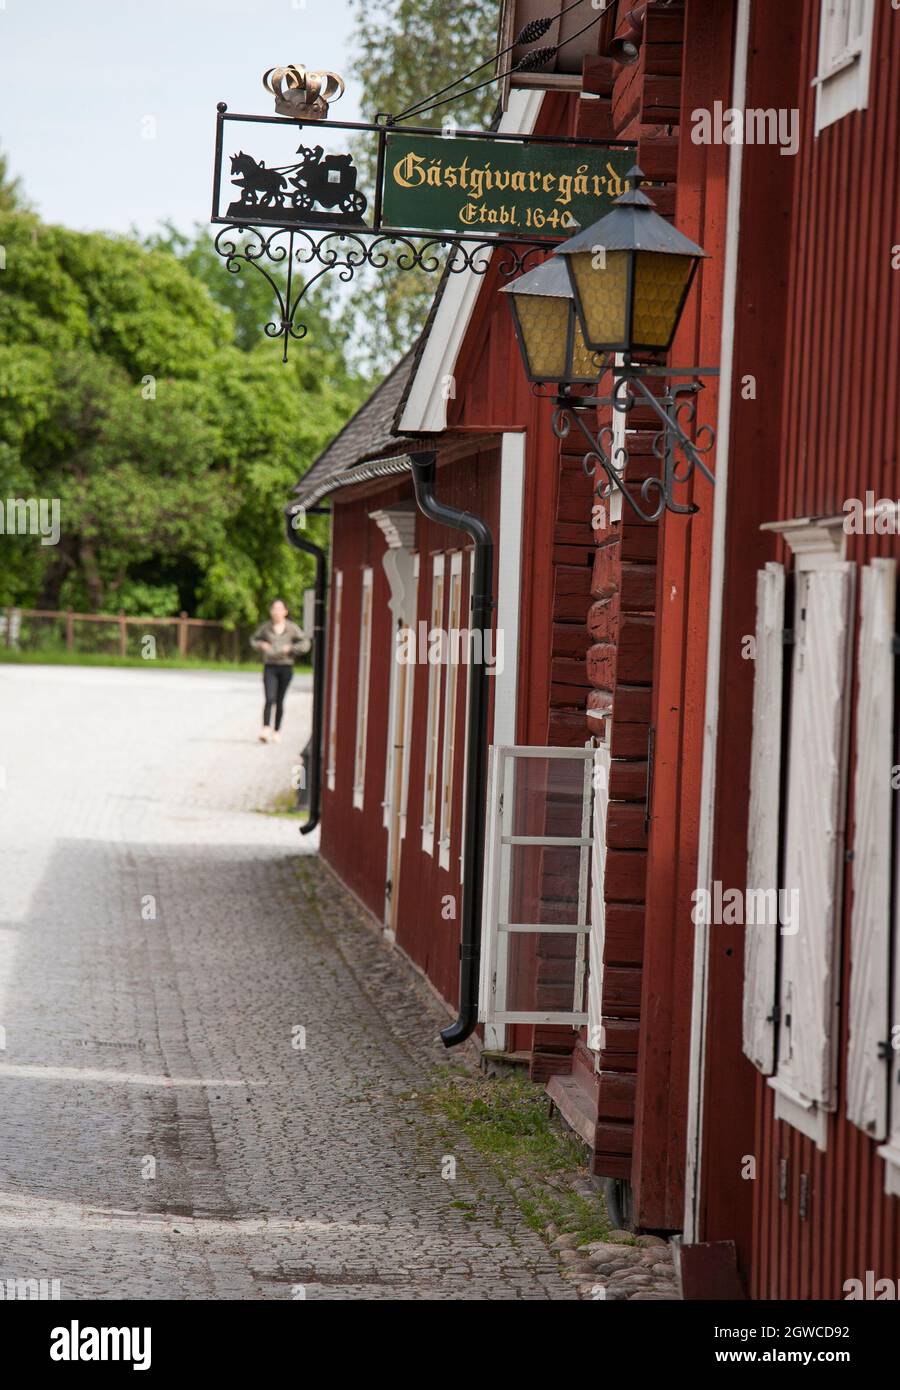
(628, 277)
(547, 328)
(630, 274)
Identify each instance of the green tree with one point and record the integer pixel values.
(169, 436)
(12, 196)
(407, 50)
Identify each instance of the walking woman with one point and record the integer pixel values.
(280, 641)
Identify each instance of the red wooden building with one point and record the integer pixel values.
(725, 681)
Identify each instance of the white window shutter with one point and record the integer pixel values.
(595, 1039)
(761, 940)
(814, 841)
(870, 947)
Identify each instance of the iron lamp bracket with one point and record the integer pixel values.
(678, 452)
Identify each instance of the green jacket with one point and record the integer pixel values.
(284, 646)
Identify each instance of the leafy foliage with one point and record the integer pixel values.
(137, 388)
(407, 50)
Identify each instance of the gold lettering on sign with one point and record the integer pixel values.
(414, 171)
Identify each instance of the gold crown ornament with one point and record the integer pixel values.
(301, 94)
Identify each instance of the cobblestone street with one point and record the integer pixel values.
(161, 938)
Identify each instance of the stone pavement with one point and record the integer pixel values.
(163, 945)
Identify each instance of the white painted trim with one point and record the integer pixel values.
(497, 926)
(336, 618)
(433, 715)
(868, 1069)
(398, 525)
(509, 599)
(425, 410)
(804, 1115)
(842, 78)
(816, 542)
(700, 986)
(465, 766)
(407, 732)
(362, 688)
(891, 1156)
(451, 696)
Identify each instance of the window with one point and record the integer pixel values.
(537, 875)
(337, 594)
(407, 731)
(465, 750)
(362, 689)
(796, 843)
(455, 655)
(845, 53)
(433, 720)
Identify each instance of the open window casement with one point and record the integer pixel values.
(537, 878)
(761, 937)
(870, 927)
(805, 1080)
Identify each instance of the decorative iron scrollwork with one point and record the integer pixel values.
(306, 257)
(677, 452)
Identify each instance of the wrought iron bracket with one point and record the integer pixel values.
(306, 256)
(678, 452)
(291, 218)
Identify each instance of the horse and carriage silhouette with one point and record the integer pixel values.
(321, 187)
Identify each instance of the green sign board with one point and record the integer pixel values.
(455, 184)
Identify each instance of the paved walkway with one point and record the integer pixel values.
(160, 942)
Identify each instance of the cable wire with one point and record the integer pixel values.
(529, 33)
(526, 64)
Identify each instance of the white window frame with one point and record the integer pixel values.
(411, 695)
(819, 547)
(362, 688)
(451, 692)
(466, 697)
(430, 801)
(493, 980)
(337, 590)
(845, 59)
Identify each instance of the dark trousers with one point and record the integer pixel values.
(276, 680)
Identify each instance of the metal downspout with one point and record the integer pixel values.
(423, 471)
(318, 639)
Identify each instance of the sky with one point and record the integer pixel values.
(108, 107)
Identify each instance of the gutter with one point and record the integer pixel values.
(314, 747)
(708, 789)
(346, 477)
(423, 471)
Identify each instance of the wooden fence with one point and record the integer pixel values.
(37, 629)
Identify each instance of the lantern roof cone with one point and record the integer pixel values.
(550, 279)
(632, 225)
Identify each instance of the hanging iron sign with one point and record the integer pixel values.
(274, 171)
(486, 186)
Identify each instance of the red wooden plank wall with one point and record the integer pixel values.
(354, 841)
(840, 436)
